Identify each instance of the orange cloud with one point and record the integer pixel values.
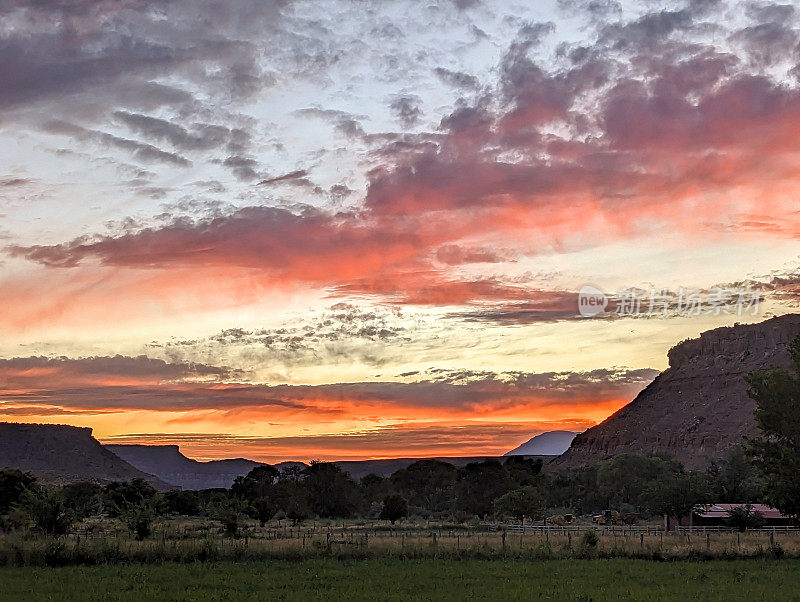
(183, 397)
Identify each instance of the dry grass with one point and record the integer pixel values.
(187, 540)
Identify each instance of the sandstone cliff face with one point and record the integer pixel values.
(57, 453)
(698, 407)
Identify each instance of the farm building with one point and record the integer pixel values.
(718, 514)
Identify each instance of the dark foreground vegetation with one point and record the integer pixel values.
(391, 579)
(635, 486)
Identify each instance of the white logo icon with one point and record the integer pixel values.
(591, 301)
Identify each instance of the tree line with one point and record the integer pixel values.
(515, 487)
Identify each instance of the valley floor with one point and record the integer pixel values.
(426, 579)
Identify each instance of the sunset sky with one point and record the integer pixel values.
(344, 230)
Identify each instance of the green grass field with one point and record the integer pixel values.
(392, 579)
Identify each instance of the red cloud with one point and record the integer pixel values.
(611, 144)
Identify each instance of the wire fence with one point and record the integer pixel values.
(555, 529)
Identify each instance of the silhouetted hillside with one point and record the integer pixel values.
(170, 465)
(551, 443)
(384, 468)
(63, 454)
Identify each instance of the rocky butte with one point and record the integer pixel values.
(698, 407)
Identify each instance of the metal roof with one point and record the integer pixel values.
(722, 510)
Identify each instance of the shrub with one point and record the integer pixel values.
(394, 507)
(745, 517)
(139, 519)
(589, 540)
(46, 509)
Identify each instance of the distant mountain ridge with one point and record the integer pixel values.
(550, 443)
(699, 406)
(58, 453)
(386, 467)
(172, 466)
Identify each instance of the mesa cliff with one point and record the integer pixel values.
(59, 454)
(172, 466)
(699, 406)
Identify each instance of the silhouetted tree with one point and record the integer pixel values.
(524, 471)
(83, 498)
(394, 508)
(734, 478)
(676, 493)
(45, 508)
(479, 484)
(575, 488)
(330, 491)
(139, 517)
(262, 509)
(257, 483)
(428, 484)
(13, 483)
(375, 488)
(297, 510)
(121, 496)
(230, 512)
(745, 517)
(525, 502)
(776, 452)
(186, 503)
(622, 479)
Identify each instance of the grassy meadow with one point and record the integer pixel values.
(412, 579)
(194, 559)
